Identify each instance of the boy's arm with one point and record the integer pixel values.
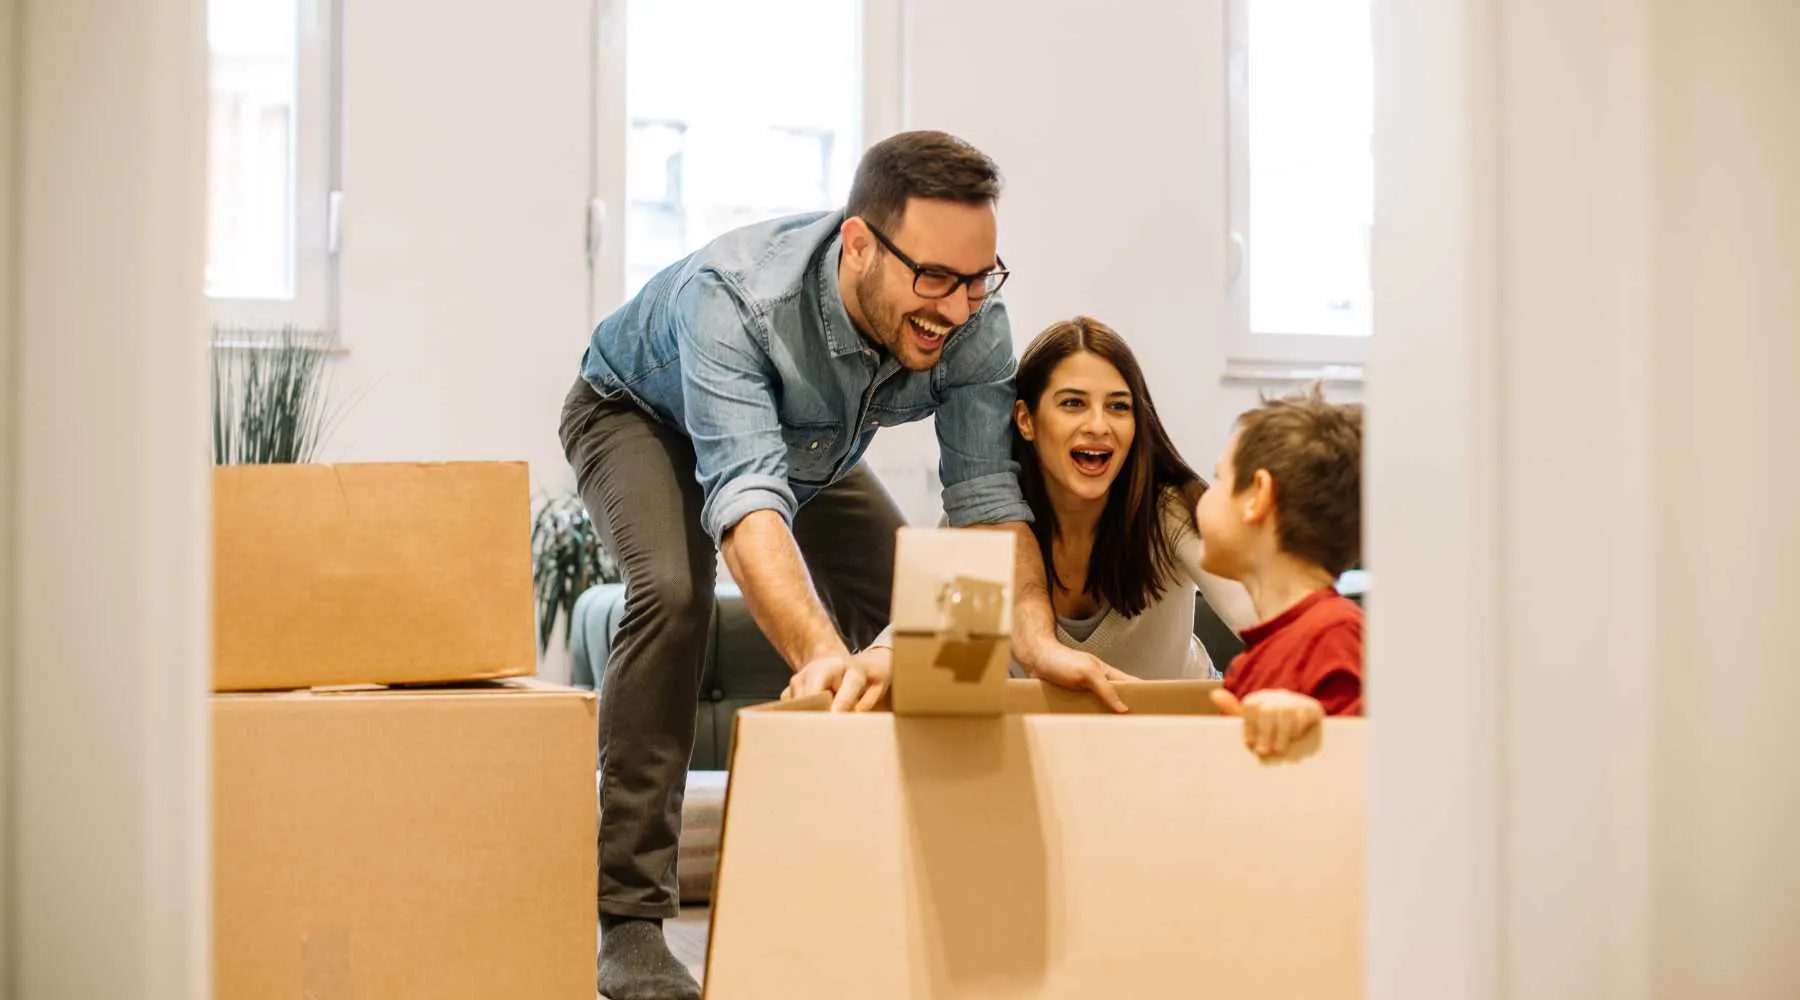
(1276, 718)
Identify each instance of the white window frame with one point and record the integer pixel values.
(1250, 355)
(317, 195)
(883, 82)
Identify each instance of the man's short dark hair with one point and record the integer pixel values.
(922, 164)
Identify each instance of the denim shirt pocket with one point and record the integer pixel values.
(811, 452)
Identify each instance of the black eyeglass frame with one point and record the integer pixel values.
(997, 274)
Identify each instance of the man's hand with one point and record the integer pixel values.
(1072, 668)
(1273, 720)
(856, 682)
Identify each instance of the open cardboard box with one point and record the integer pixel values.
(1035, 846)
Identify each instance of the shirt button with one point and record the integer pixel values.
(813, 446)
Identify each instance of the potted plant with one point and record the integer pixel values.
(566, 559)
(269, 396)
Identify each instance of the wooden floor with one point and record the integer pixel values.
(686, 935)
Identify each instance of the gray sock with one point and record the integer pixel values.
(636, 964)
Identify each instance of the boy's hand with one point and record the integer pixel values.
(1273, 720)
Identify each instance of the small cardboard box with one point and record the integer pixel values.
(382, 843)
(952, 620)
(371, 574)
(1054, 851)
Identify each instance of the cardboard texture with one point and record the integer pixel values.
(371, 574)
(952, 618)
(400, 844)
(1056, 851)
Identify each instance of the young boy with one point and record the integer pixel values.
(1284, 518)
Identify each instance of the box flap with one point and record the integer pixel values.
(1028, 697)
(1020, 696)
(953, 580)
(952, 618)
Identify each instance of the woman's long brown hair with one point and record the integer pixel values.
(1133, 558)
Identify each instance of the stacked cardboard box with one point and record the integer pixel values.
(990, 838)
(374, 836)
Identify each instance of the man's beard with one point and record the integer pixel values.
(888, 326)
(883, 319)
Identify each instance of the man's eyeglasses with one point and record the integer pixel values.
(930, 282)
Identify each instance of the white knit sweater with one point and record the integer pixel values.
(1159, 643)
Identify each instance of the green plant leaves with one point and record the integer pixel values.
(269, 396)
(567, 558)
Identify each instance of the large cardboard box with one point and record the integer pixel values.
(404, 844)
(1053, 851)
(371, 574)
(993, 838)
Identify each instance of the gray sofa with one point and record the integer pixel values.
(741, 667)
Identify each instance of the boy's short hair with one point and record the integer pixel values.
(1313, 451)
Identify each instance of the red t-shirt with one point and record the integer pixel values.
(1314, 647)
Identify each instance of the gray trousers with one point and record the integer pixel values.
(636, 478)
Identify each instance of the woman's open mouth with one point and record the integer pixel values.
(1091, 461)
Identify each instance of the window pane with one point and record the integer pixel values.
(738, 112)
(250, 193)
(1311, 109)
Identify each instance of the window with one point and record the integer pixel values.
(710, 114)
(1302, 182)
(757, 116)
(270, 163)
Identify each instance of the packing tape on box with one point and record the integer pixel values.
(971, 605)
(971, 609)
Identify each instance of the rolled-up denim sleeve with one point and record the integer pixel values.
(728, 404)
(974, 428)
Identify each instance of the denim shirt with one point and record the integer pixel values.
(746, 346)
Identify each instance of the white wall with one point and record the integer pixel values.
(466, 172)
(463, 270)
(1725, 191)
(10, 52)
(108, 597)
(1110, 132)
(1585, 776)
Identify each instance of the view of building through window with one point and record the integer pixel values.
(756, 117)
(1311, 179)
(252, 148)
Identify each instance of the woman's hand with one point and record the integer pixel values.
(1273, 719)
(1072, 668)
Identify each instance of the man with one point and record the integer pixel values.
(729, 404)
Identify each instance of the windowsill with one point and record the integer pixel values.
(1290, 373)
(334, 346)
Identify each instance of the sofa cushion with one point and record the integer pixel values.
(740, 667)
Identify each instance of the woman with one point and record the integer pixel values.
(1113, 507)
